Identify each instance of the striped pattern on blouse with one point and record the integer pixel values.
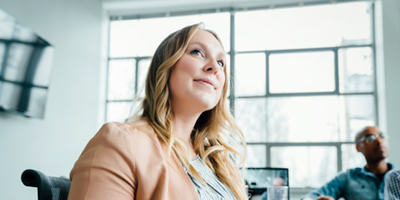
(218, 191)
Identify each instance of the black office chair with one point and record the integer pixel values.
(49, 188)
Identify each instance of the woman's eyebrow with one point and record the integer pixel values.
(222, 56)
(198, 43)
(219, 54)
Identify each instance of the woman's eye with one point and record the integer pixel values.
(196, 52)
(221, 63)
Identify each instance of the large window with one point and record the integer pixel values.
(303, 80)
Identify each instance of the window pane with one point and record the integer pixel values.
(43, 70)
(351, 158)
(121, 79)
(37, 101)
(250, 74)
(304, 119)
(301, 119)
(10, 95)
(28, 100)
(21, 68)
(256, 156)
(302, 72)
(356, 70)
(18, 62)
(7, 26)
(23, 33)
(143, 69)
(2, 49)
(251, 116)
(118, 111)
(142, 37)
(357, 112)
(303, 27)
(308, 166)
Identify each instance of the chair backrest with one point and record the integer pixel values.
(49, 188)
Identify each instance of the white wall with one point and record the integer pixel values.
(52, 145)
(388, 46)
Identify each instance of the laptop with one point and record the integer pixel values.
(259, 178)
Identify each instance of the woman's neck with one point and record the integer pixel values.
(183, 126)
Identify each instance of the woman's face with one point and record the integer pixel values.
(197, 79)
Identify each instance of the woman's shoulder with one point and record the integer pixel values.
(141, 126)
(137, 132)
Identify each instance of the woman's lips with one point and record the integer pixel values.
(205, 82)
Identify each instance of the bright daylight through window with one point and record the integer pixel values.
(303, 80)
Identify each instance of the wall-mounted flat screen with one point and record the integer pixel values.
(25, 65)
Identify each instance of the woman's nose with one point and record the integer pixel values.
(212, 67)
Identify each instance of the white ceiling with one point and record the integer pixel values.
(132, 7)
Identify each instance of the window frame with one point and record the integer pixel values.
(336, 92)
(232, 97)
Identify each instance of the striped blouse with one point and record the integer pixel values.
(218, 191)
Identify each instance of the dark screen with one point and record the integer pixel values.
(263, 177)
(25, 65)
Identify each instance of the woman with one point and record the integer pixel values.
(181, 142)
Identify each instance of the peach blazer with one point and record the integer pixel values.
(127, 161)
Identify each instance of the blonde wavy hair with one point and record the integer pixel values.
(215, 135)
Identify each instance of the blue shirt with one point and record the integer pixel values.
(357, 183)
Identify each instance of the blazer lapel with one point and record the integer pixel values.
(180, 185)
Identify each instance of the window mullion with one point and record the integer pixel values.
(267, 93)
(136, 76)
(268, 154)
(374, 64)
(339, 157)
(107, 72)
(336, 63)
(232, 57)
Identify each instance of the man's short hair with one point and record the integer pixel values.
(359, 133)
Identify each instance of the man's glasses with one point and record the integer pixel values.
(369, 138)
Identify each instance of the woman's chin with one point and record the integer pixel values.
(206, 105)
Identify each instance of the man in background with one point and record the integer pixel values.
(360, 183)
